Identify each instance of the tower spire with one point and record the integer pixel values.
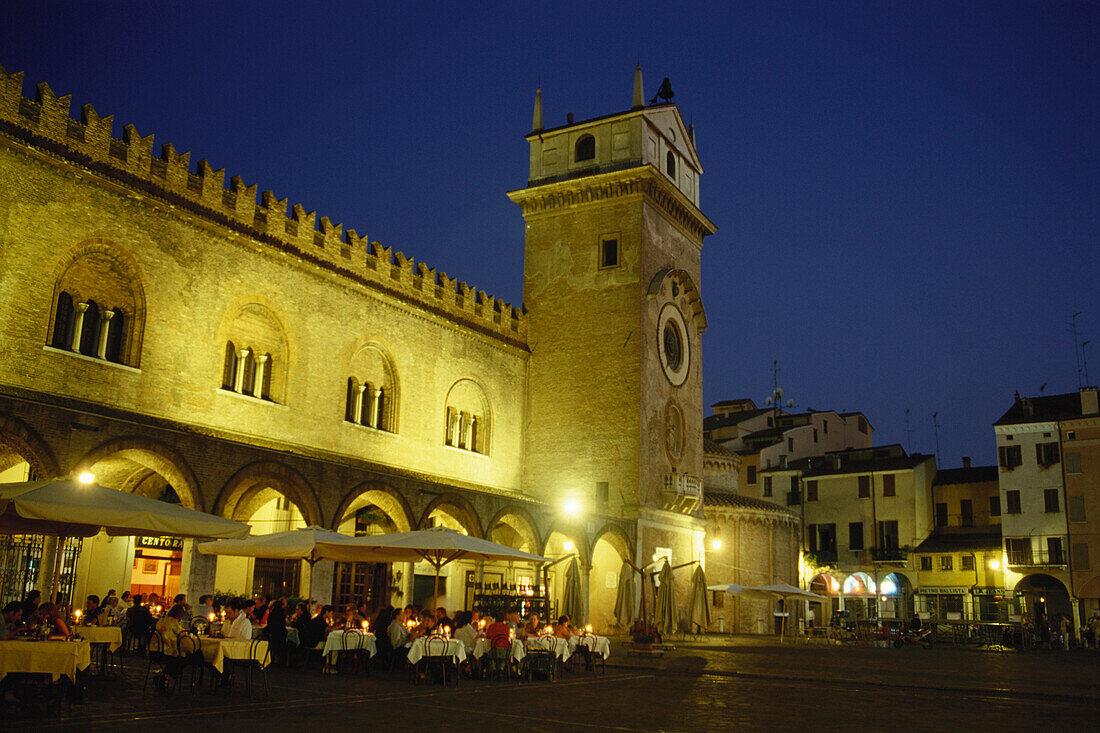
(639, 97)
(536, 123)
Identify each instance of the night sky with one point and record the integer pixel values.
(907, 194)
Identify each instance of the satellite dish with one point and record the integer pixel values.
(790, 403)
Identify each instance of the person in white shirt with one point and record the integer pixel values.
(240, 627)
(399, 634)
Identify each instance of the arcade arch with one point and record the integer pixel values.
(609, 551)
(1041, 594)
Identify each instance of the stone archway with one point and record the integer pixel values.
(457, 509)
(243, 493)
(610, 549)
(378, 494)
(143, 466)
(514, 526)
(19, 443)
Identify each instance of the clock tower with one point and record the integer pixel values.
(615, 319)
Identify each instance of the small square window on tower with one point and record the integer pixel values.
(609, 252)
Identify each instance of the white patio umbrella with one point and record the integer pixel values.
(67, 507)
(742, 591)
(624, 597)
(787, 591)
(439, 546)
(311, 544)
(697, 612)
(665, 617)
(571, 603)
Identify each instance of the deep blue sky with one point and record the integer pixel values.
(907, 194)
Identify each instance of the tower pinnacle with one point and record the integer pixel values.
(536, 123)
(639, 97)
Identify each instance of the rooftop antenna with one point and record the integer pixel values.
(776, 398)
(936, 430)
(1077, 350)
(908, 433)
(1085, 363)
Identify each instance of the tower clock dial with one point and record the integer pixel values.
(673, 345)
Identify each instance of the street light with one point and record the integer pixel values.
(716, 544)
(995, 564)
(572, 507)
(568, 545)
(86, 478)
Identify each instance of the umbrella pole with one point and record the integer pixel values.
(311, 562)
(58, 554)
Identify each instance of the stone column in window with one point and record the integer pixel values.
(357, 410)
(78, 325)
(460, 430)
(376, 408)
(104, 330)
(471, 441)
(238, 373)
(467, 423)
(452, 427)
(258, 376)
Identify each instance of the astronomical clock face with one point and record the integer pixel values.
(673, 344)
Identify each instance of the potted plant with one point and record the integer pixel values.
(644, 636)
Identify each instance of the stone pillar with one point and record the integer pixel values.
(376, 408)
(372, 407)
(45, 566)
(452, 426)
(322, 580)
(357, 410)
(78, 325)
(104, 331)
(258, 376)
(471, 439)
(467, 422)
(197, 572)
(238, 377)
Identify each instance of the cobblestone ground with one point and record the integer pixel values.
(714, 685)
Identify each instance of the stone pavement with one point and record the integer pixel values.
(716, 684)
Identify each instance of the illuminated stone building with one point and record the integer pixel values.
(168, 332)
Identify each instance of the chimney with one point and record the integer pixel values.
(1088, 401)
(639, 97)
(966, 461)
(569, 119)
(536, 122)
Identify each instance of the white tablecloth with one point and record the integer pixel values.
(55, 658)
(335, 643)
(599, 644)
(560, 647)
(216, 651)
(443, 647)
(109, 635)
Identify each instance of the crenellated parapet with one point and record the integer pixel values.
(44, 123)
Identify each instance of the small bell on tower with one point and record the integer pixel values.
(664, 92)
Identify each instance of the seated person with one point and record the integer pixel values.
(138, 619)
(318, 627)
(442, 619)
(205, 607)
(531, 627)
(257, 610)
(499, 633)
(181, 600)
(426, 626)
(465, 631)
(563, 629)
(12, 620)
(93, 612)
(170, 627)
(48, 615)
(240, 626)
(397, 630)
(113, 613)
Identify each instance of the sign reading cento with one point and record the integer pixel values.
(159, 543)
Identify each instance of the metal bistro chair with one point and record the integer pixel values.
(538, 661)
(258, 660)
(500, 653)
(157, 657)
(347, 659)
(436, 658)
(593, 661)
(189, 651)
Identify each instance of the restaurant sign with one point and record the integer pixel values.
(943, 591)
(159, 543)
(988, 591)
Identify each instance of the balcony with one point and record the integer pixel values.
(1035, 558)
(681, 492)
(889, 554)
(794, 498)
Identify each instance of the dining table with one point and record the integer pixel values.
(110, 636)
(340, 640)
(596, 644)
(55, 657)
(215, 651)
(292, 636)
(418, 649)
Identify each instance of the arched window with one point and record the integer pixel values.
(585, 148)
(373, 399)
(100, 305)
(63, 322)
(89, 332)
(255, 355)
(467, 416)
(670, 164)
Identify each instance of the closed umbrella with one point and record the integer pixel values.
(698, 605)
(572, 604)
(311, 544)
(66, 507)
(624, 597)
(665, 617)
